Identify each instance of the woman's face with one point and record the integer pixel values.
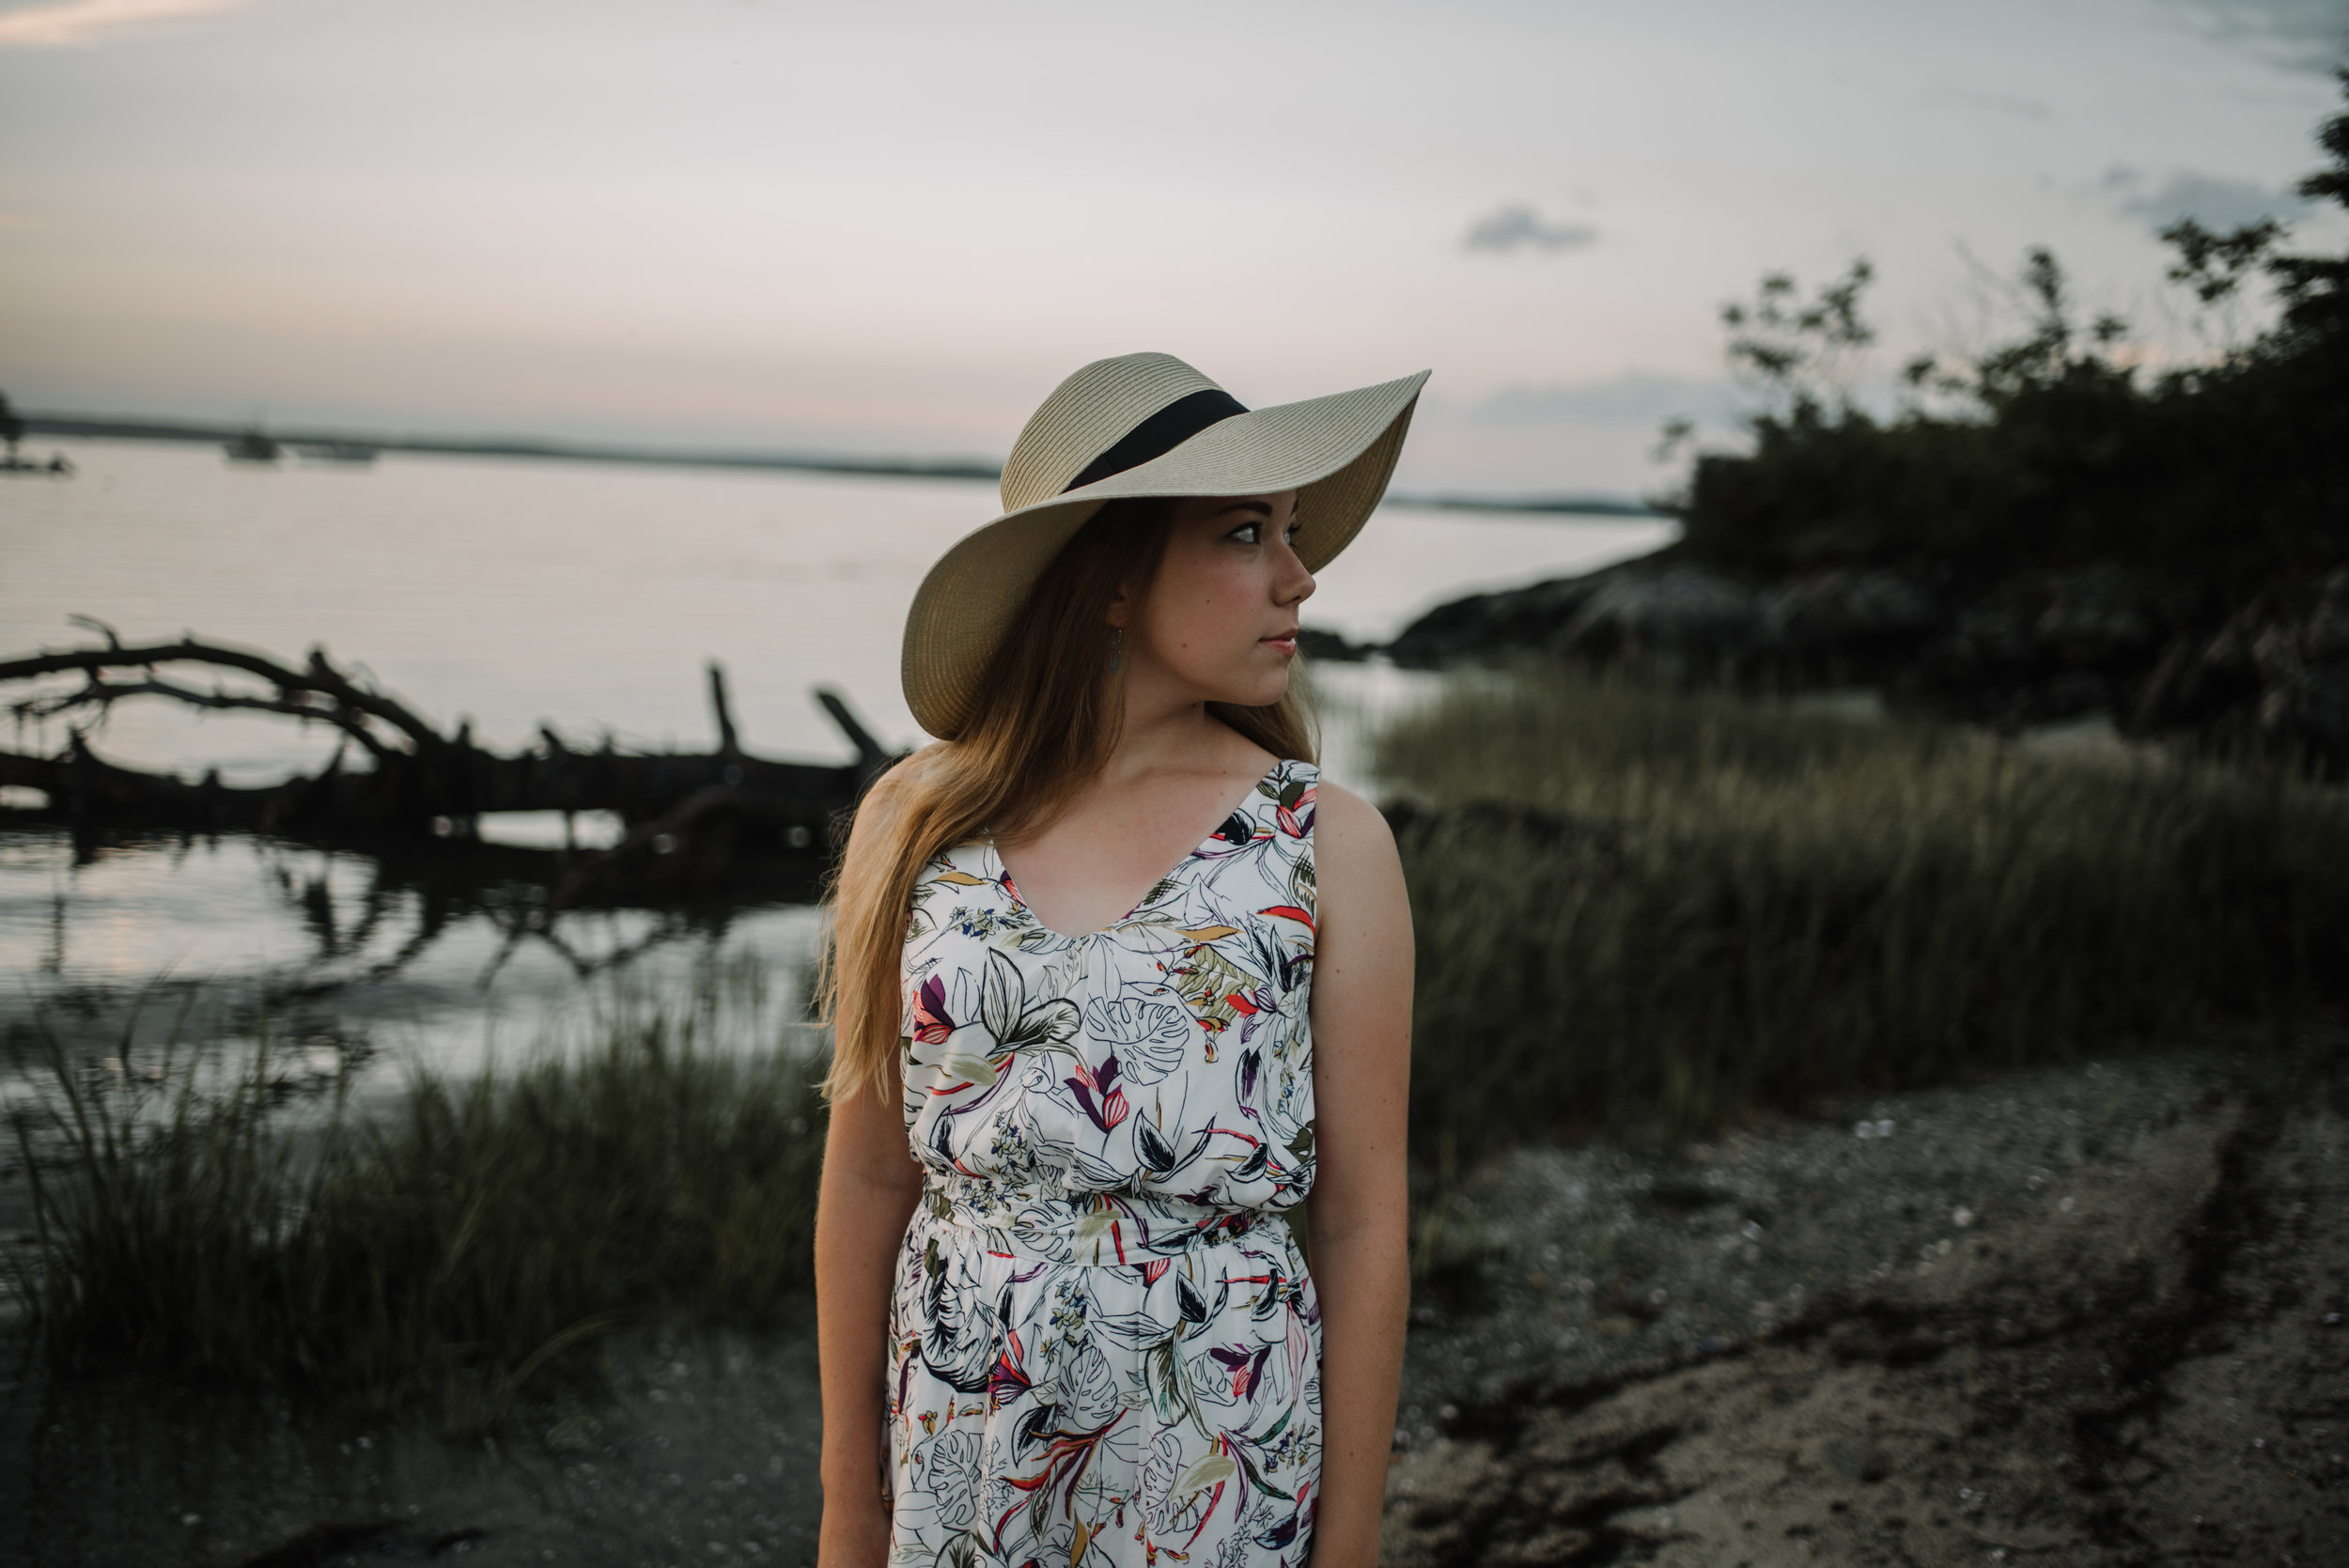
(1221, 619)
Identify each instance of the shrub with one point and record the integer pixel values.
(2060, 452)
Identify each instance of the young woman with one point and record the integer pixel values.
(1075, 1094)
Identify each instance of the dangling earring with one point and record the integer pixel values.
(1118, 646)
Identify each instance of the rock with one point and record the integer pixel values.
(2284, 631)
(2197, 679)
(1486, 626)
(1862, 1459)
(1316, 643)
(2309, 710)
(1680, 618)
(2101, 618)
(1989, 640)
(2036, 647)
(2066, 695)
(2326, 635)
(2042, 647)
(2276, 651)
(1847, 620)
(2275, 674)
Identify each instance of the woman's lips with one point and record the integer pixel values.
(1285, 642)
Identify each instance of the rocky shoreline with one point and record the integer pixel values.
(2090, 1314)
(2157, 656)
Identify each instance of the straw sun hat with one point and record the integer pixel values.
(1139, 425)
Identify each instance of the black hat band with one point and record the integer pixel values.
(1160, 434)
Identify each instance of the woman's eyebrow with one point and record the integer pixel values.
(1264, 507)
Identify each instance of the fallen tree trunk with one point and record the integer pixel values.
(418, 781)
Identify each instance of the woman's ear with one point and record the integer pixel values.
(1120, 610)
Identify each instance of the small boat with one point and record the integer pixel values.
(252, 447)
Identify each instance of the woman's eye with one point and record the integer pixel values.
(1252, 532)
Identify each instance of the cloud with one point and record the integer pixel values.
(1517, 226)
(2212, 201)
(2308, 35)
(1631, 397)
(63, 23)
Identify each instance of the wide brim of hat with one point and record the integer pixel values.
(1337, 451)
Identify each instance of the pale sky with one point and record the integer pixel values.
(892, 227)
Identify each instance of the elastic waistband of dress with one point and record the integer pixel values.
(1104, 1229)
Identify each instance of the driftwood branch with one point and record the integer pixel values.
(103, 695)
(91, 623)
(871, 754)
(729, 745)
(340, 699)
(435, 783)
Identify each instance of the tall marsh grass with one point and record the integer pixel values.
(1634, 907)
(1646, 906)
(447, 1246)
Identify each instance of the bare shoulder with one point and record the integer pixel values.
(1363, 943)
(1356, 866)
(1349, 828)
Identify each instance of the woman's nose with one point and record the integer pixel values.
(1297, 585)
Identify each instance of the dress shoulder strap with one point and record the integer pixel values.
(1284, 799)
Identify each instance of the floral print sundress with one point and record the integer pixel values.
(1105, 1348)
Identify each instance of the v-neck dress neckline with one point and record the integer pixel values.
(1001, 873)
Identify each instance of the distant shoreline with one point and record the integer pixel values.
(92, 425)
(1579, 505)
(511, 446)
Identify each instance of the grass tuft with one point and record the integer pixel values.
(449, 1248)
(1648, 906)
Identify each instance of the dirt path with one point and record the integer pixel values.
(2084, 1317)
(2088, 1316)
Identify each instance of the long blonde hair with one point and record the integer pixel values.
(1049, 712)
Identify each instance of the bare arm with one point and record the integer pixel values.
(1361, 1022)
(870, 1184)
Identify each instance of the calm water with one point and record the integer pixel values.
(515, 594)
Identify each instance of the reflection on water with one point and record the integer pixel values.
(551, 829)
(220, 939)
(516, 593)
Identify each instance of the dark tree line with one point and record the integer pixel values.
(2051, 449)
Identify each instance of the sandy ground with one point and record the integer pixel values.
(2086, 1316)
(2081, 1316)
